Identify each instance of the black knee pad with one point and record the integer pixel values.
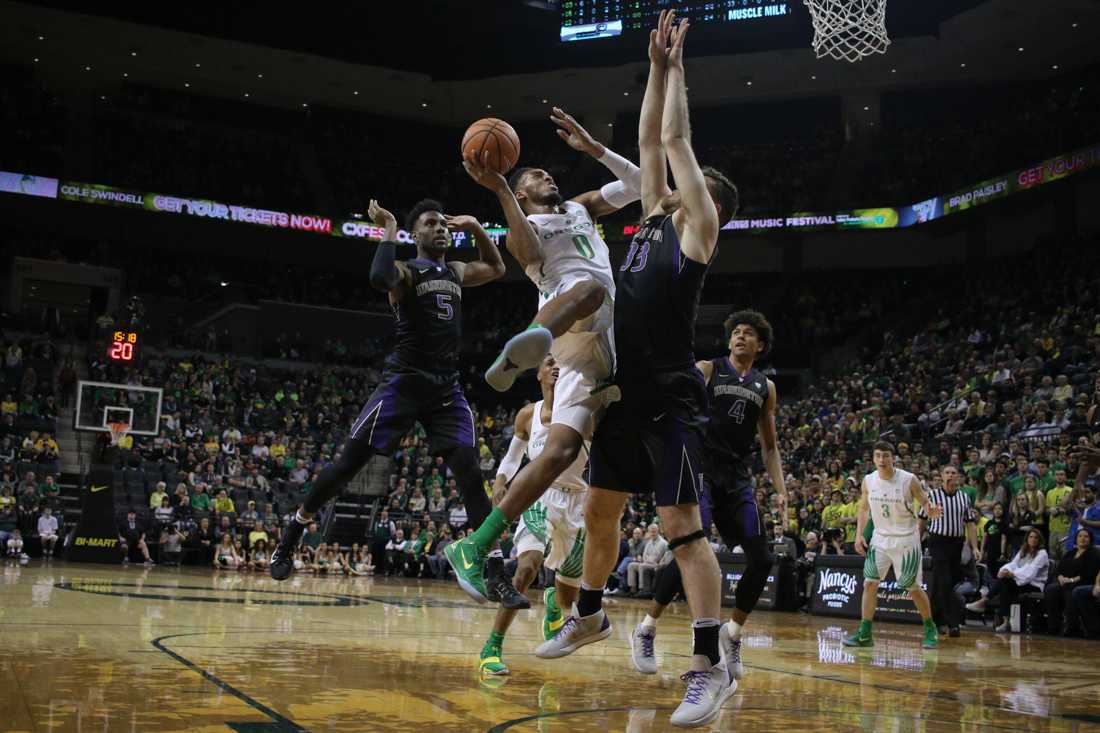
(680, 541)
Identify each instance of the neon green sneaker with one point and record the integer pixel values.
(552, 618)
(491, 662)
(931, 638)
(862, 637)
(467, 562)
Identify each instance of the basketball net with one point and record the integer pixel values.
(848, 30)
(118, 431)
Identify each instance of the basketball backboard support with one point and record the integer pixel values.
(100, 403)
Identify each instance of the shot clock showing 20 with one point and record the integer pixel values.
(123, 347)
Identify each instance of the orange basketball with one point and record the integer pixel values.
(495, 137)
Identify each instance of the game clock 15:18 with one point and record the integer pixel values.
(123, 347)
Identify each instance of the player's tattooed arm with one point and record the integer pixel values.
(522, 241)
(612, 196)
(386, 273)
(769, 439)
(509, 465)
(490, 267)
(651, 154)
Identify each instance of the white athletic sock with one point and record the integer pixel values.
(649, 622)
(496, 553)
(734, 629)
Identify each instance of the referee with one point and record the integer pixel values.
(945, 540)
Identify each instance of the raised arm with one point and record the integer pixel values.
(769, 439)
(612, 196)
(490, 267)
(700, 232)
(386, 274)
(651, 153)
(523, 241)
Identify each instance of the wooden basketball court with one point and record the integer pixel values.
(99, 648)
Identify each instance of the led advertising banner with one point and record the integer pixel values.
(28, 185)
(931, 209)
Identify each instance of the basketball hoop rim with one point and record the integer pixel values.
(118, 431)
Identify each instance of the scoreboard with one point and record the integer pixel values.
(123, 347)
(583, 20)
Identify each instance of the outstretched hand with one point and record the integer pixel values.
(658, 38)
(482, 174)
(935, 511)
(462, 223)
(574, 134)
(676, 49)
(382, 218)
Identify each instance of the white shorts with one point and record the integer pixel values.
(585, 356)
(557, 520)
(903, 553)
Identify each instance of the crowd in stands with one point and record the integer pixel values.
(938, 141)
(29, 453)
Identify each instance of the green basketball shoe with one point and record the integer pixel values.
(467, 562)
(491, 661)
(931, 638)
(862, 637)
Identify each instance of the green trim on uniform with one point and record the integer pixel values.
(870, 566)
(910, 565)
(535, 521)
(573, 565)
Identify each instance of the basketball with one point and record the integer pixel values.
(497, 138)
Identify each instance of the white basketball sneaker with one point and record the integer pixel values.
(706, 693)
(731, 652)
(577, 631)
(641, 649)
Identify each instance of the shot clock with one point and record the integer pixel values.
(123, 347)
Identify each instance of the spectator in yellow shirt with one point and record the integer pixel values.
(1059, 517)
(278, 449)
(223, 504)
(158, 494)
(850, 516)
(832, 515)
(8, 406)
(46, 448)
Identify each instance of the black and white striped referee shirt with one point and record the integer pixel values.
(957, 511)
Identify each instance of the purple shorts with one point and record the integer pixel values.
(402, 400)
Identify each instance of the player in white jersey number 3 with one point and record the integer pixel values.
(888, 496)
(560, 249)
(554, 525)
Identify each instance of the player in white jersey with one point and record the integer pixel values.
(555, 521)
(561, 250)
(888, 496)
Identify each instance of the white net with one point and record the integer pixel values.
(848, 30)
(118, 431)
